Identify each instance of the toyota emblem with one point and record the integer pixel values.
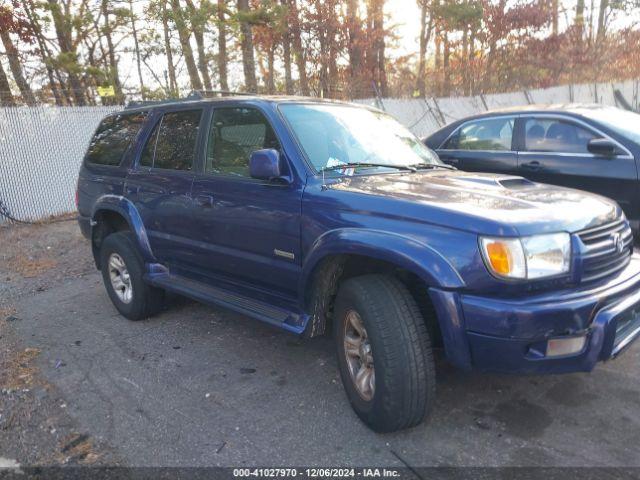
(618, 243)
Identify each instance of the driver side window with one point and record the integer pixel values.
(235, 134)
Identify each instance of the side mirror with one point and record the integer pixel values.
(266, 164)
(602, 146)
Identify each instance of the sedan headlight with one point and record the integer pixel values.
(538, 256)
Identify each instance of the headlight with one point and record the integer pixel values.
(533, 257)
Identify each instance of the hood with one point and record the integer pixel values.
(498, 204)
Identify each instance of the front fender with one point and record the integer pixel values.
(129, 212)
(405, 252)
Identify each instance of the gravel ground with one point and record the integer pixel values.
(201, 386)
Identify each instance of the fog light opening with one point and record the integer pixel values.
(560, 347)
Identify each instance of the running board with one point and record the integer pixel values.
(289, 320)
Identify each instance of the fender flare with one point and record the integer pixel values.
(124, 207)
(405, 252)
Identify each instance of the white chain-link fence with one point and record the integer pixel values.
(41, 148)
(425, 116)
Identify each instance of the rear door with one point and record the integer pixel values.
(554, 149)
(160, 183)
(482, 145)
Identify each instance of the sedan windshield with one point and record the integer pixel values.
(334, 135)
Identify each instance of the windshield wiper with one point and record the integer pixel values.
(421, 166)
(342, 166)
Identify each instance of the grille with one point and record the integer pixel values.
(602, 256)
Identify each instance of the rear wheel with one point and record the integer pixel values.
(384, 353)
(122, 269)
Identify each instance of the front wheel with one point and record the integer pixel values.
(384, 353)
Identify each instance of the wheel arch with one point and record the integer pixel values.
(341, 254)
(114, 213)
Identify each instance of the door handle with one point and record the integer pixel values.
(534, 165)
(204, 200)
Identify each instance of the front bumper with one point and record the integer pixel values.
(510, 335)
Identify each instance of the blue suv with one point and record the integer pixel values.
(319, 216)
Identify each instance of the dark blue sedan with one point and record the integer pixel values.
(588, 147)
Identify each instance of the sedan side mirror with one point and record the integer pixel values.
(602, 146)
(266, 165)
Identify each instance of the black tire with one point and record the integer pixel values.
(145, 300)
(405, 383)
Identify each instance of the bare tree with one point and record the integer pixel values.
(187, 52)
(602, 19)
(171, 67)
(426, 27)
(6, 97)
(63, 28)
(246, 42)
(223, 59)
(298, 51)
(16, 68)
(286, 56)
(136, 45)
(199, 17)
(114, 76)
(45, 54)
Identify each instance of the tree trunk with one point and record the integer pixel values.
(246, 41)
(271, 85)
(376, 56)
(16, 68)
(45, 55)
(602, 19)
(63, 35)
(555, 12)
(354, 29)
(136, 46)
(222, 46)
(6, 98)
(579, 22)
(187, 52)
(445, 64)
(298, 51)
(173, 84)
(202, 59)
(198, 33)
(286, 54)
(425, 36)
(113, 64)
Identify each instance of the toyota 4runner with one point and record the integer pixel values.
(318, 216)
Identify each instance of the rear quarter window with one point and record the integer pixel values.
(113, 137)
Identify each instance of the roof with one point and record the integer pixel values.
(555, 107)
(196, 99)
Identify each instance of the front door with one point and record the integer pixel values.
(482, 145)
(245, 228)
(554, 150)
(160, 184)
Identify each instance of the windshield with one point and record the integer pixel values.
(333, 135)
(623, 122)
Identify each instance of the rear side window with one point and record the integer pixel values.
(113, 137)
(172, 144)
(485, 134)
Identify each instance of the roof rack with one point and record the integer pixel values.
(193, 95)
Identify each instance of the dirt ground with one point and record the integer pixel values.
(202, 386)
(35, 426)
